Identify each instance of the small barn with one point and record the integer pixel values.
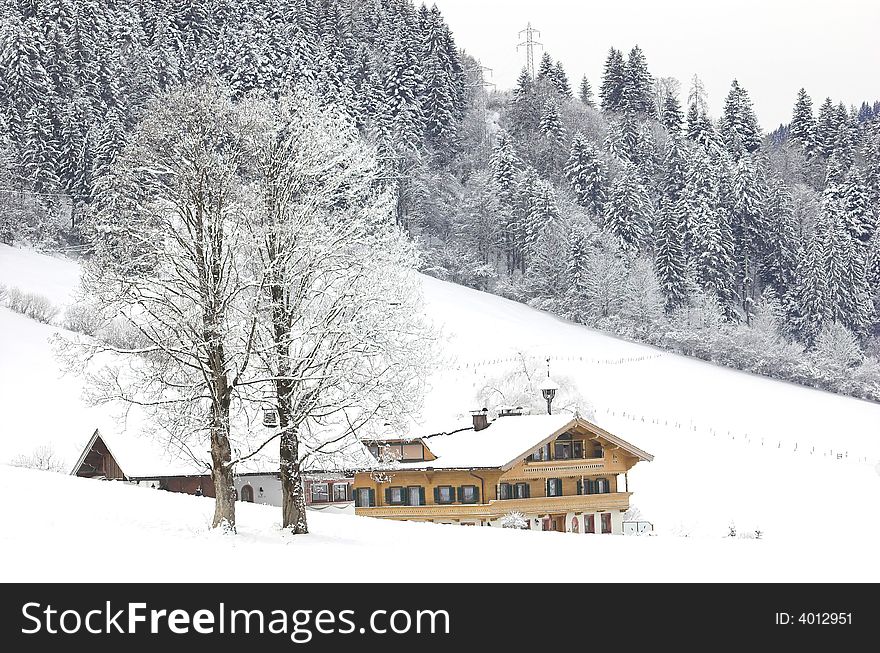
(146, 463)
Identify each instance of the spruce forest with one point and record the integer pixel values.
(619, 203)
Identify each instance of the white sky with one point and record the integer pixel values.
(773, 47)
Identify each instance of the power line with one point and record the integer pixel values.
(529, 44)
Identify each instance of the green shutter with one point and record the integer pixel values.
(356, 498)
(405, 491)
(436, 495)
(456, 494)
(372, 497)
(387, 496)
(528, 490)
(476, 494)
(421, 495)
(580, 486)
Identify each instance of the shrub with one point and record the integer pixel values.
(31, 304)
(42, 457)
(514, 520)
(82, 318)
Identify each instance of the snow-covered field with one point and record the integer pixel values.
(799, 465)
(64, 528)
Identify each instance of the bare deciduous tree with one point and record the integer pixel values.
(341, 340)
(170, 217)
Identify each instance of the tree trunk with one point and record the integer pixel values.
(221, 456)
(224, 502)
(294, 501)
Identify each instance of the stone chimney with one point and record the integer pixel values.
(481, 419)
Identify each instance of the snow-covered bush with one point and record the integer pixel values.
(43, 457)
(31, 304)
(2, 294)
(82, 318)
(122, 335)
(514, 520)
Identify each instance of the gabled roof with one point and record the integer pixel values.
(506, 441)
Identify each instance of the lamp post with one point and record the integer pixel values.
(548, 388)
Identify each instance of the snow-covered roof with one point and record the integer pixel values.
(505, 441)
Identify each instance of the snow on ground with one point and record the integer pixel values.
(800, 465)
(115, 532)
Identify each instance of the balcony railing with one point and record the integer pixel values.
(499, 507)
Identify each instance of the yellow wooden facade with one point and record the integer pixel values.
(593, 484)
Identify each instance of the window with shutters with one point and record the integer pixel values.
(396, 496)
(416, 495)
(468, 494)
(521, 491)
(444, 494)
(602, 486)
(554, 487)
(340, 491)
(505, 491)
(606, 522)
(363, 497)
(320, 492)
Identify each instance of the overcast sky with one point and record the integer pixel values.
(773, 47)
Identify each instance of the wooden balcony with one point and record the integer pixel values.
(572, 467)
(500, 507)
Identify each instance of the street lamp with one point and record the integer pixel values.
(548, 388)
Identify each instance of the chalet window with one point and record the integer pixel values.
(562, 450)
(395, 496)
(577, 449)
(505, 491)
(606, 522)
(602, 486)
(413, 452)
(589, 523)
(521, 491)
(374, 450)
(597, 451)
(416, 495)
(469, 494)
(364, 497)
(320, 492)
(340, 491)
(541, 454)
(444, 494)
(554, 487)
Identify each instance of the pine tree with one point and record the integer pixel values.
(542, 216)
(808, 309)
(560, 81)
(585, 93)
(545, 68)
(629, 212)
(40, 155)
(748, 196)
(671, 117)
(638, 83)
(614, 79)
(803, 124)
(586, 174)
(826, 128)
(857, 214)
(525, 112)
(739, 125)
(670, 264)
(551, 125)
(779, 264)
(710, 234)
(623, 138)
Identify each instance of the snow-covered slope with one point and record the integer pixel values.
(132, 529)
(730, 448)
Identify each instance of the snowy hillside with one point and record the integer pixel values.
(133, 524)
(799, 465)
